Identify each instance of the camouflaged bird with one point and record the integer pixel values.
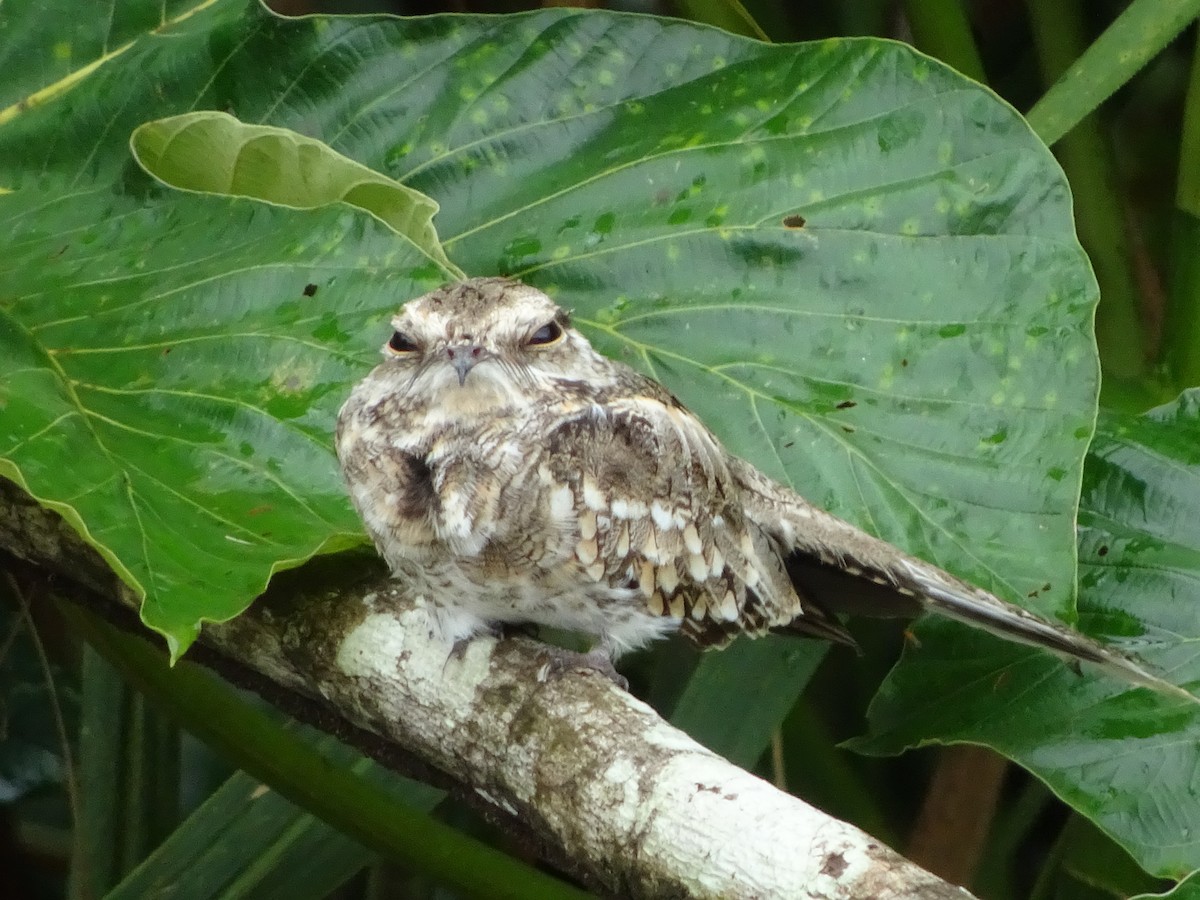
(509, 473)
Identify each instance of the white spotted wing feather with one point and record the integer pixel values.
(651, 511)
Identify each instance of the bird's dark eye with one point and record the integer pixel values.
(547, 334)
(402, 343)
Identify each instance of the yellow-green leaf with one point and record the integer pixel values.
(214, 153)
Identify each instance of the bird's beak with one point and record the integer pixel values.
(464, 357)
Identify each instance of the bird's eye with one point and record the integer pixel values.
(402, 343)
(549, 333)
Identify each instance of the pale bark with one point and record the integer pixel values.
(636, 807)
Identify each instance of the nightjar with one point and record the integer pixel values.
(509, 473)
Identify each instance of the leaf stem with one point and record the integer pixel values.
(1086, 155)
(727, 14)
(1181, 330)
(941, 29)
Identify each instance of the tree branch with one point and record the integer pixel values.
(633, 805)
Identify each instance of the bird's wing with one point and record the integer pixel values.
(660, 513)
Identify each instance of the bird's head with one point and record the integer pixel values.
(487, 341)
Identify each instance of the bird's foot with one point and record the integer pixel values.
(559, 662)
(504, 630)
(498, 630)
(458, 650)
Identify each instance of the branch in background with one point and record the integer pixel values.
(637, 807)
(951, 831)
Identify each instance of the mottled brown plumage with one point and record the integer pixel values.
(511, 474)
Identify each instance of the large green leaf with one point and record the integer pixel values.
(858, 266)
(1127, 760)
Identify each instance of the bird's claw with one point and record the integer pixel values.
(559, 662)
(458, 650)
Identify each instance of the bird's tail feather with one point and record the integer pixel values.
(953, 599)
(845, 570)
